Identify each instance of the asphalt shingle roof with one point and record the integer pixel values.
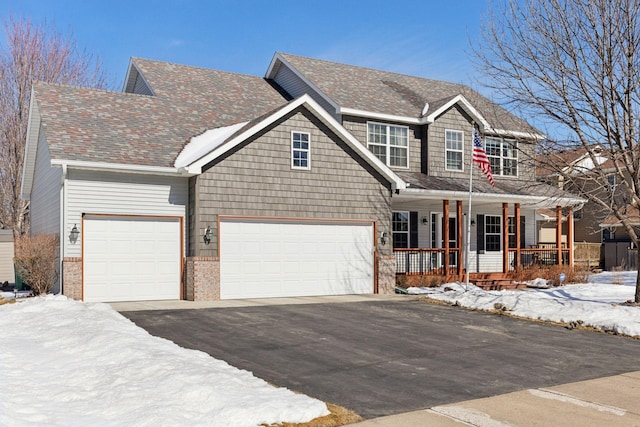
(397, 94)
(84, 124)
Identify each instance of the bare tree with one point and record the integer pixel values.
(31, 52)
(574, 63)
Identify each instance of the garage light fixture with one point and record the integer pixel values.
(74, 233)
(207, 235)
(383, 237)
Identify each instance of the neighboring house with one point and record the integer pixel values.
(7, 273)
(315, 180)
(597, 231)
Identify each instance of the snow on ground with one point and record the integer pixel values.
(67, 363)
(595, 304)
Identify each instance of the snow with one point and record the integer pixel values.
(205, 143)
(595, 304)
(68, 363)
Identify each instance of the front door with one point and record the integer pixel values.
(437, 237)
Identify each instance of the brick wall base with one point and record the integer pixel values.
(72, 278)
(386, 274)
(202, 278)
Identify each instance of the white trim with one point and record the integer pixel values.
(514, 134)
(273, 68)
(466, 105)
(461, 150)
(408, 232)
(539, 201)
(388, 144)
(29, 151)
(308, 150)
(117, 167)
(313, 107)
(500, 225)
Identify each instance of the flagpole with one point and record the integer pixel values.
(468, 243)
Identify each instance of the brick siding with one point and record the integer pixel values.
(72, 277)
(202, 279)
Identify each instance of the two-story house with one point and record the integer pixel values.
(318, 179)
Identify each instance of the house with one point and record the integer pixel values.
(318, 179)
(599, 234)
(7, 273)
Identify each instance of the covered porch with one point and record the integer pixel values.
(424, 243)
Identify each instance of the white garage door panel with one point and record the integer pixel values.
(268, 258)
(131, 258)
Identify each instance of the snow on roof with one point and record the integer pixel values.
(205, 143)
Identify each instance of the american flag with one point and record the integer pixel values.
(480, 157)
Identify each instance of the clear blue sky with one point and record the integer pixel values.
(428, 38)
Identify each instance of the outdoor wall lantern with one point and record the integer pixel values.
(383, 237)
(425, 220)
(74, 233)
(473, 222)
(207, 235)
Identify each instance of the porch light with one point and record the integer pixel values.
(473, 222)
(425, 220)
(383, 237)
(207, 235)
(73, 234)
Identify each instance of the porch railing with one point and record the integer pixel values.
(425, 260)
(531, 257)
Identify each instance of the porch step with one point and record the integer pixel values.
(497, 284)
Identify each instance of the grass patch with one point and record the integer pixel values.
(6, 301)
(339, 416)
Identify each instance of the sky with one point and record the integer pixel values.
(426, 38)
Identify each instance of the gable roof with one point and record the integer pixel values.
(90, 125)
(370, 93)
(220, 146)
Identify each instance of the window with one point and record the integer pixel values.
(512, 231)
(503, 156)
(400, 225)
(454, 145)
(300, 150)
(389, 143)
(492, 233)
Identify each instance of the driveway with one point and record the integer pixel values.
(392, 356)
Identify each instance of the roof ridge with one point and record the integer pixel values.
(197, 67)
(376, 70)
(89, 88)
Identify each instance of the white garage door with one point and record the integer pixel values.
(269, 258)
(131, 258)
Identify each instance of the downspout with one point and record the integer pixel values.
(63, 210)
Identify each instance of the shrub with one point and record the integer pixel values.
(36, 261)
(552, 274)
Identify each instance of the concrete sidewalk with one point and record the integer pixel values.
(609, 401)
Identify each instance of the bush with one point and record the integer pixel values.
(36, 261)
(552, 274)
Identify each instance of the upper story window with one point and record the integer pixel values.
(454, 143)
(503, 156)
(389, 143)
(300, 150)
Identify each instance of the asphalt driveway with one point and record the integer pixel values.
(387, 357)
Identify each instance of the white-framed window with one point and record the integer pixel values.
(300, 150)
(492, 233)
(389, 143)
(512, 231)
(503, 156)
(454, 145)
(400, 227)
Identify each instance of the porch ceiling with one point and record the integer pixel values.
(535, 195)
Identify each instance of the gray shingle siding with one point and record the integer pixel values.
(296, 87)
(257, 180)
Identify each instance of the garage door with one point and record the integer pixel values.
(131, 258)
(270, 258)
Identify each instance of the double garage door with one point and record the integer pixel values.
(280, 258)
(139, 258)
(131, 258)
